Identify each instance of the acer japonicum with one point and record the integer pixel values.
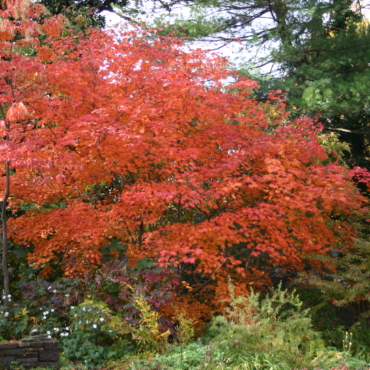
(128, 137)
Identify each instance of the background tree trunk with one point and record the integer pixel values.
(5, 234)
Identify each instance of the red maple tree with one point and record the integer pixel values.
(127, 136)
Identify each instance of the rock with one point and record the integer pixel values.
(49, 356)
(36, 338)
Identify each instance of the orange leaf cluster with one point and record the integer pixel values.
(130, 137)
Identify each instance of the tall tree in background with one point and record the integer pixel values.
(329, 75)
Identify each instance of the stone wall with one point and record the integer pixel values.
(30, 354)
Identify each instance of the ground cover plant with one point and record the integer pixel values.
(140, 181)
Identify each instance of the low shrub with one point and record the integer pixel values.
(275, 324)
(95, 335)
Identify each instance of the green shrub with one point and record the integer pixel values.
(43, 305)
(191, 357)
(361, 339)
(14, 321)
(147, 332)
(95, 335)
(277, 323)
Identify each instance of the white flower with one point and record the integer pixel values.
(66, 334)
(9, 296)
(6, 314)
(72, 308)
(87, 321)
(54, 291)
(46, 313)
(62, 334)
(95, 326)
(67, 328)
(52, 310)
(44, 317)
(101, 319)
(49, 287)
(75, 315)
(48, 332)
(83, 308)
(67, 295)
(49, 337)
(56, 329)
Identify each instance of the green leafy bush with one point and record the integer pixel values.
(43, 305)
(14, 320)
(95, 334)
(277, 323)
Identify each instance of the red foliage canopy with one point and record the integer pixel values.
(128, 136)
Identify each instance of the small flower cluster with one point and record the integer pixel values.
(64, 333)
(347, 342)
(94, 319)
(86, 322)
(94, 326)
(45, 313)
(7, 297)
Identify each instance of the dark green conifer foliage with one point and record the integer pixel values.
(328, 74)
(90, 8)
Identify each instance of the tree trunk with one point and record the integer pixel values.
(5, 234)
